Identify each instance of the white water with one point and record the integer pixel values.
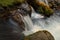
(37, 23)
(29, 27)
(51, 24)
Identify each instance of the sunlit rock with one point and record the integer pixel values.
(40, 35)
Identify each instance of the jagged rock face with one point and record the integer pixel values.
(40, 35)
(18, 19)
(23, 9)
(8, 31)
(12, 28)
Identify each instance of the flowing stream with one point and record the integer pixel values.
(37, 23)
(29, 27)
(51, 24)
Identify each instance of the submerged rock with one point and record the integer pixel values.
(40, 35)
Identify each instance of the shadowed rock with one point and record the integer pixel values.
(11, 26)
(9, 31)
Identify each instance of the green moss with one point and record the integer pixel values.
(45, 10)
(9, 2)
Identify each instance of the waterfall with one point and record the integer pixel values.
(28, 22)
(46, 2)
(51, 24)
(29, 27)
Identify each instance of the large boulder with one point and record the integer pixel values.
(40, 35)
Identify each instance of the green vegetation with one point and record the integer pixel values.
(9, 2)
(44, 9)
(41, 8)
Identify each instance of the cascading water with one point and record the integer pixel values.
(38, 23)
(28, 22)
(29, 27)
(51, 24)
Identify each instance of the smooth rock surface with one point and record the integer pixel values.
(40, 35)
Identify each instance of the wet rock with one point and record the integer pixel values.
(25, 9)
(40, 35)
(11, 28)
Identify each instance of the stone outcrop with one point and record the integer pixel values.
(40, 35)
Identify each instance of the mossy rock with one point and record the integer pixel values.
(44, 9)
(40, 35)
(41, 8)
